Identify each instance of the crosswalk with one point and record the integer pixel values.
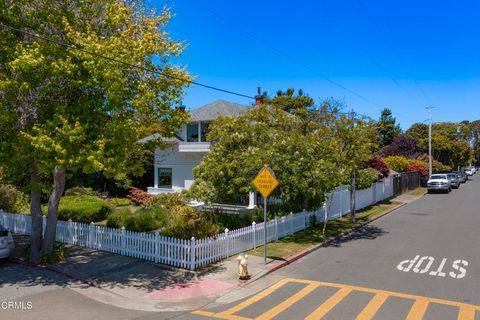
(417, 307)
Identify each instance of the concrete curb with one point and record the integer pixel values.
(305, 252)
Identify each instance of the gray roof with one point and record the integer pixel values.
(218, 108)
(156, 136)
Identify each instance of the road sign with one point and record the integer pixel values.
(265, 182)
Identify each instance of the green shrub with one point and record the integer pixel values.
(80, 191)
(397, 163)
(83, 209)
(231, 221)
(169, 200)
(140, 221)
(117, 219)
(366, 177)
(12, 200)
(120, 202)
(185, 222)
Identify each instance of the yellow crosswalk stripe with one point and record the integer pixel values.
(373, 306)
(287, 303)
(467, 312)
(417, 311)
(255, 298)
(329, 304)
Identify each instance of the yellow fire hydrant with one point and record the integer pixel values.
(242, 266)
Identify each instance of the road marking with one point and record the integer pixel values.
(423, 265)
(467, 312)
(373, 306)
(329, 304)
(255, 298)
(417, 311)
(287, 303)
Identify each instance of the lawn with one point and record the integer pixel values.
(417, 192)
(310, 237)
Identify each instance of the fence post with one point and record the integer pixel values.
(123, 242)
(20, 228)
(157, 247)
(192, 253)
(90, 241)
(227, 240)
(290, 216)
(304, 219)
(254, 225)
(275, 222)
(44, 224)
(70, 232)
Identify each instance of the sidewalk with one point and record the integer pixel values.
(141, 285)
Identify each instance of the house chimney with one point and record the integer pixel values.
(180, 107)
(259, 98)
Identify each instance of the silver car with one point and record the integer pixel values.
(6, 243)
(438, 182)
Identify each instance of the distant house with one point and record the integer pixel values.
(174, 165)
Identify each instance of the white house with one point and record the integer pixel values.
(174, 165)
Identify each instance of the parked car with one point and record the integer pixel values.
(6, 243)
(468, 172)
(438, 182)
(454, 180)
(473, 169)
(461, 176)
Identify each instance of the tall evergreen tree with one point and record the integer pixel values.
(388, 129)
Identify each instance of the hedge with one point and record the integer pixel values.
(83, 209)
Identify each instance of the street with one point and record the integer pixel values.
(443, 228)
(420, 260)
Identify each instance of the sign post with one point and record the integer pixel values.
(265, 183)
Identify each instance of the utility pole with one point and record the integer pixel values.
(458, 139)
(429, 108)
(352, 178)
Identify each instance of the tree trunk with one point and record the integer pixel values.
(53, 201)
(36, 213)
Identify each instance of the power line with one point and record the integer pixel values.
(59, 43)
(284, 54)
(393, 52)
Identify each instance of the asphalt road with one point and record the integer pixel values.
(31, 293)
(388, 270)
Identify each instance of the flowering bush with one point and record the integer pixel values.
(417, 167)
(140, 197)
(378, 164)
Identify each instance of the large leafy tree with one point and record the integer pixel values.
(450, 141)
(388, 129)
(64, 110)
(403, 145)
(310, 154)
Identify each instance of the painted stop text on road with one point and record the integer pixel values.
(456, 269)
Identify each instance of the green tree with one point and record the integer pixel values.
(308, 160)
(64, 110)
(388, 129)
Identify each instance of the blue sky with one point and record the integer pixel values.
(403, 55)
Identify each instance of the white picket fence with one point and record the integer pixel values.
(196, 253)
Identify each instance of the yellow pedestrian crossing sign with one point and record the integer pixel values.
(265, 182)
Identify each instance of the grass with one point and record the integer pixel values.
(310, 237)
(418, 192)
